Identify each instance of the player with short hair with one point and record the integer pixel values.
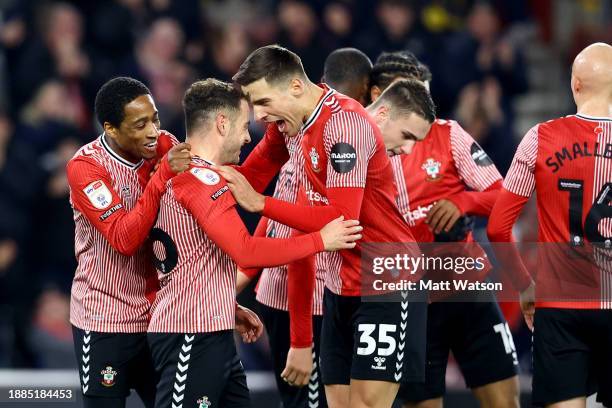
(346, 164)
(566, 161)
(347, 70)
(115, 203)
(446, 179)
(198, 239)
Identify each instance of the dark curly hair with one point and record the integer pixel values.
(114, 95)
(403, 64)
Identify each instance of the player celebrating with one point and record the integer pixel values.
(443, 181)
(114, 209)
(345, 160)
(571, 340)
(197, 238)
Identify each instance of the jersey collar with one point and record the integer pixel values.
(594, 118)
(315, 114)
(115, 156)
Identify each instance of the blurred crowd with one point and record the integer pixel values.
(55, 55)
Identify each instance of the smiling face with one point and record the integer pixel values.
(402, 132)
(136, 136)
(277, 103)
(238, 135)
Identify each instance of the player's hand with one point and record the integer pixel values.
(248, 324)
(299, 367)
(339, 234)
(179, 157)
(243, 192)
(527, 298)
(442, 216)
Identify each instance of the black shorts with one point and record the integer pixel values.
(378, 338)
(572, 355)
(110, 364)
(198, 369)
(276, 323)
(480, 339)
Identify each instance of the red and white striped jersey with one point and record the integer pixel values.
(197, 237)
(272, 289)
(344, 153)
(444, 165)
(568, 163)
(112, 219)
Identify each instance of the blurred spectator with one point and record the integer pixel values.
(59, 52)
(300, 33)
(48, 117)
(480, 112)
(230, 46)
(338, 24)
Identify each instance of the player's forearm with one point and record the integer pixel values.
(505, 212)
(260, 231)
(342, 202)
(301, 284)
(242, 281)
(129, 231)
(477, 202)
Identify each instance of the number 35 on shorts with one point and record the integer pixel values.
(376, 338)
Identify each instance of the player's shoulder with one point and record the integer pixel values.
(89, 155)
(200, 173)
(344, 111)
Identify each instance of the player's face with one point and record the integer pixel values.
(238, 135)
(277, 103)
(136, 137)
(402, 132)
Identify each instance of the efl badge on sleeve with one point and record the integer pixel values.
(99, 195)
(108, 376)
(204, 402)
(206, 176)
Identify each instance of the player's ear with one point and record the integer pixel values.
(222, 123)
(381, 115)
(374, 93)
(110, 130)
(296, 87)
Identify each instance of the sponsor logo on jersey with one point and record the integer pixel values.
(108, 376)
(98, 194)
(315, 197)
(432, 168)
(343, 157)
(314, 159)
(419, 213)
(479, 156)
(218, 193)
(206, 176)
(111, 211)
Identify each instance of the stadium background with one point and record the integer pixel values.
(498, 68)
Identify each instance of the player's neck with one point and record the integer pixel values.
(205, 149)
(312, 96)
(600, 107)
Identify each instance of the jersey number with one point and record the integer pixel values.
(383, 338)
(168, 264)
(598, 211)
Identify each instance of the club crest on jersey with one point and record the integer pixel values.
(432, 168)
(206, 176)
(108, 376)
(204, 402)
(99, 195)
(314, 159)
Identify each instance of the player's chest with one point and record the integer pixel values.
(430, 168)
(315, 161)
(129, 184)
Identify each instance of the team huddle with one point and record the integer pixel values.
(361, 158)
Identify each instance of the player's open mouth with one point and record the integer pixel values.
(152, 147)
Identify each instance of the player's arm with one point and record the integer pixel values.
(246, 275)
(216, 214)
(477, 171)
(92, 194)
(518, 187)
(266, 160)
